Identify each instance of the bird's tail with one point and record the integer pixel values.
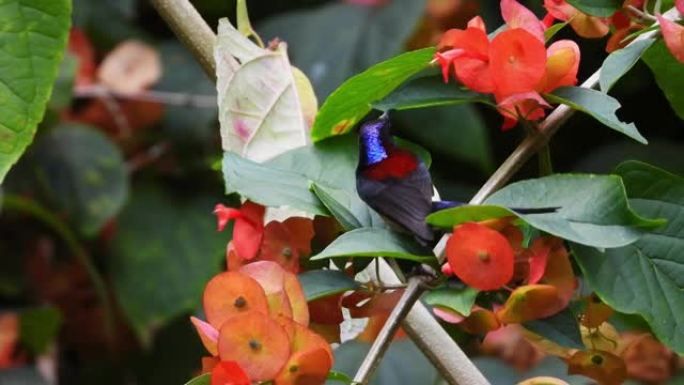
(443, 205)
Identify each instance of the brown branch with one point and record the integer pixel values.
(191, 29)
(162, 97)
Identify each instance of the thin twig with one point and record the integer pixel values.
(161, 97)
(191, 29)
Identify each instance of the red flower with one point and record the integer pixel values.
(249, 227)
(515, 66)
(480, 257)
(229, 373)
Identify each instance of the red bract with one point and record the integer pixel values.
(468, 53)
(229, 373)
(480, 256)
(249, 227)
(284, 243)
(680, 6)
(673, 34)
(517, 16)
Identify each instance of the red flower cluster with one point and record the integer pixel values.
(489, 256)
(515, 65)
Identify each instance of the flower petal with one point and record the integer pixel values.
(527, 105)
(477, 22)
(562, 63)
(560, 9)
(590, 27)
(208, 334)
(517, 61)
(680, 6)
(517, 16)
(673, 34)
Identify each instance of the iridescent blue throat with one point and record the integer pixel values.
(372, 142)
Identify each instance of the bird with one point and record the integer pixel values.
(393, 181)
(396, 183)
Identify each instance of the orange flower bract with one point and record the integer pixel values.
(480, 256)
(256, 342)
(231, 293)
(229, 373)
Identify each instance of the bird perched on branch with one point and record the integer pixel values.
(396, 183)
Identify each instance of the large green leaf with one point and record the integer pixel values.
(646, 277)
(322, 283)
(600, 216)
(33, 39)
(352, 100)
(373, 242)
(269, 186)
(669, 74)
(602, 8)
(561, 328)
(349, 38)
(83, 172)
(600, 106)
(621, 61)
(429, 92)
(165, 251)
(403, 364)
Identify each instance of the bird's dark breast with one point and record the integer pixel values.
(405, 201)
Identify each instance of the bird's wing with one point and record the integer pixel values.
(404, 201)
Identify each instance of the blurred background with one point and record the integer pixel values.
(107, 236)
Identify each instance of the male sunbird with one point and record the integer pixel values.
(395, 182)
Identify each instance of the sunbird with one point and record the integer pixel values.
(396, 183)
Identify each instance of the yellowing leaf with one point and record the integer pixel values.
(262, 109)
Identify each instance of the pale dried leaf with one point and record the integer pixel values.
(130, 68)
(260, 111)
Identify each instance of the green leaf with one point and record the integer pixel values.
(460, 300)
(351, 212)
(39, 327)
(449, 218)
(454, 133)
(349, 38)
(561, 328)
(429, 92)
(269, 186)
(165, 251)
(340, 377)
(33, 38)
(323, 283)
(403, 364)
(618, 63)
(553, 30)
(372, 242)
(646, 277)
(352, 100)
(601, 8)
(600, 216)
(83, 172)
(204, 379)
(598, 105)
(669, 74)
